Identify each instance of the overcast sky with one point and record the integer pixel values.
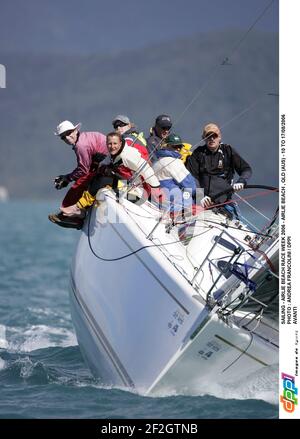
(101, 26)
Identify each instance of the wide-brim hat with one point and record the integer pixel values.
(64, 126)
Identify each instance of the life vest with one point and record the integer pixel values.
(135, 136)
(185, 151)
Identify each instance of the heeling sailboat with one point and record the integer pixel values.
(158, 305)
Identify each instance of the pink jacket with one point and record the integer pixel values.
(88, 143)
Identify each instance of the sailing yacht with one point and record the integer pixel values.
(160, 303)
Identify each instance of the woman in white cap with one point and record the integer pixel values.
(128, 130)
(85, 145)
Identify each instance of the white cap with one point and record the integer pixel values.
(121, 118)
(64, 126)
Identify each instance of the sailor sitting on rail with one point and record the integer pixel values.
(126, 159)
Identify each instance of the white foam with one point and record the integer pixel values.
(261, 385)
(37, 337)
(42, 336)
(27, 367)
(49, 312)
(3, 341)
(2, 364)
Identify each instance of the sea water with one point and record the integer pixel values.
(42, 372)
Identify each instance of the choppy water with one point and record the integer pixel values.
(42, 373)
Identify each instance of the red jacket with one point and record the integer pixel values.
(123, 170)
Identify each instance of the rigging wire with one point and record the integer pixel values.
(210, 77)
(239, 228)
(245, 110)
(225, 61)
(252, 207)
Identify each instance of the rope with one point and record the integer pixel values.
(128, 254)
(141, 248)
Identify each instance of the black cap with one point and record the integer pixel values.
(163, 121)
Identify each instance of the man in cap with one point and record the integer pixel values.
(158, 132)
(86, 146)
(214, 166)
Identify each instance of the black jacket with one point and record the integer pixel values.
(214, 171)
(153, 143)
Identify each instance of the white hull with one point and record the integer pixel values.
(143, 322)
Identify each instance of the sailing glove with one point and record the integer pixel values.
(61, 181)
(238, 186)
(206, 202)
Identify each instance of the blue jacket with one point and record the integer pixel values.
(178, 184)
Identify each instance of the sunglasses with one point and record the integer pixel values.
(118, 124)
(66, 134)
(211, 136)
(164, 128)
